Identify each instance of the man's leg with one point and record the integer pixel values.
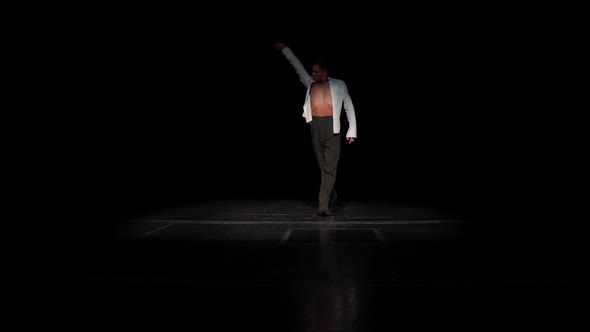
(326, 148)
(317, 135)
(331, 153)
(333, 199)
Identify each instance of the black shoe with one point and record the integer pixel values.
(332, 207)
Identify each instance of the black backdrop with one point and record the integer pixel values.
(172, 108)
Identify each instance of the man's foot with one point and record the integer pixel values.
(325, 213)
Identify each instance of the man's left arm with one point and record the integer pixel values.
(350, 115)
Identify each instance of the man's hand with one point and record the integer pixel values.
(351, 139)
(279, 46)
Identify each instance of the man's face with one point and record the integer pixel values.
(319, 75)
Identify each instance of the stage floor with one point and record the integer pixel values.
(274, 265)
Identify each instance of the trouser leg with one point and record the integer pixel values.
(329, 170)
(333, 198)
(326, 146)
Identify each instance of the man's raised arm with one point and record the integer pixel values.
(304, 76)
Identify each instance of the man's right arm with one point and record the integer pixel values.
(304, 77)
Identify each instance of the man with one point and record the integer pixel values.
(324, 100)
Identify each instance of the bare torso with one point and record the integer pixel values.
(321, 99)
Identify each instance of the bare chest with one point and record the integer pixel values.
(321, 99)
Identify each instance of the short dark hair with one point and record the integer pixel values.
(322, 63)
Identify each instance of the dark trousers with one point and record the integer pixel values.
(326, 146)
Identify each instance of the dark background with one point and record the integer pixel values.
(177, 106)
(147, 107)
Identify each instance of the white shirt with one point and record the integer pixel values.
(339, 93)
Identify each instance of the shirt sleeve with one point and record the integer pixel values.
(350, 115)
(304, 76)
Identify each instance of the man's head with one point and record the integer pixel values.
(319, 71)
